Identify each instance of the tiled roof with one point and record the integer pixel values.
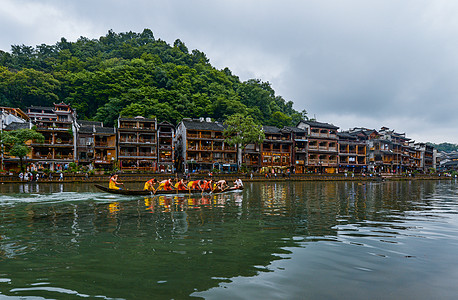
(165, 124)
(271, 129)
(346, 135)
(198, 125)
(96, 129)
(104, 130)
(89, 123)
(16, 126)
(319, 124)
(295, 129)
(141, 119)
(41, 107)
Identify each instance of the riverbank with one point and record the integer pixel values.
(142, 177)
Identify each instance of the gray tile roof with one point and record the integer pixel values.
(271, 129)
(16, 126)
(96, 129)
(89, 123)
(320, 124)
(295, 129)
(141, 119)
(198, 125)
(346, 135)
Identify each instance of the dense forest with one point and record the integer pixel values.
(445, 147)
(134, 74)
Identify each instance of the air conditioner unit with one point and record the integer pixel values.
(88, 143)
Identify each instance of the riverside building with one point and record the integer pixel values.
(96, 145)
(276, 150)
(323, 155)
(137, 144)
(58, 125)
(200, 146)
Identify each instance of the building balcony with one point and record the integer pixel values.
(128, 140)
(103, 161)
(137, 154)
(323, 135)
(165, 134)
(322, 162)
(165, 160)
(147, 141)
(165, 147)
(199, 136)
(104, 145)
(63, 156)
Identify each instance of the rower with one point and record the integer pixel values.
(114, 182)
(194, 185)
(208, 185)
(180, 185)
(165, 185)
(238, 183)
(149, 185)
(220, 186)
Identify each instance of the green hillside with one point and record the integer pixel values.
(134, 74)
(445, 147)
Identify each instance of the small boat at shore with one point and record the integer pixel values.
(149, 193)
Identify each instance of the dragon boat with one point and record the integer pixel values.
(149, 193)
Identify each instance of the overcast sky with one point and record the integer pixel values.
(352, 63)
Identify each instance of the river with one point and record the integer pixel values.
(297, 240)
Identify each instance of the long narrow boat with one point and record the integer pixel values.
(148, 193)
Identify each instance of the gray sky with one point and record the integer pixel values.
(353, 63)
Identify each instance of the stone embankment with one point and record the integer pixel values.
(142, 177)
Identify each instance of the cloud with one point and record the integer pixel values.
(37, 22)
(381, 63)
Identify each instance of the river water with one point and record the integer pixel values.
(293, 240)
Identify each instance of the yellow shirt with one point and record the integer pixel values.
(161, 186)
(112, 185)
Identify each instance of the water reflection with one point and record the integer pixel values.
(181, 245)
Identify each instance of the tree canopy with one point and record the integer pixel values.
(14, 142)
(242, 130)
(135, 74)
(445, 147)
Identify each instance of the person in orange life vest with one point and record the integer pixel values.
(202, 184)
(208, 185)
(195, 185)
(180, 185)
(165, 185)
(149, 185)
(114, 182)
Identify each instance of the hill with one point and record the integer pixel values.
(445, 147)
(134, 74)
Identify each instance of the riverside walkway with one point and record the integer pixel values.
(142, 177)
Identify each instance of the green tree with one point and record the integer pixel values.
(14, 142)
(242, 130)
(280, 119)
(169, 81)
